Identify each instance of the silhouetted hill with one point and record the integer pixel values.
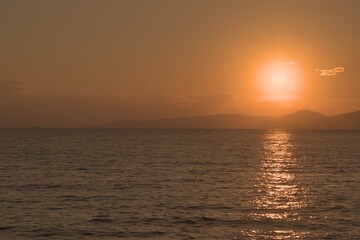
(303, 119)
(346, 121)
(213, 121)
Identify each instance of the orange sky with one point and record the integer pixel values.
(79, 63)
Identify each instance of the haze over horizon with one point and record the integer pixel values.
(83, 63)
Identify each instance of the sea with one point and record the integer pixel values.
(59, 184)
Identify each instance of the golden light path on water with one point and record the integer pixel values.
(280, 198)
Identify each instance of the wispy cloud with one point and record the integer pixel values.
(10, 88)
(289, 63)
(330, 72)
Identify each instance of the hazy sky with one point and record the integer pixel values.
(69, 63)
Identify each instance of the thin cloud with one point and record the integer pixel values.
(11, 88)
(330, 72)
(289, 63)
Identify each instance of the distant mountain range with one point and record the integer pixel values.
(303, 119)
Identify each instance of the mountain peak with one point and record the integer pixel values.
(302, 119)
(305, 112)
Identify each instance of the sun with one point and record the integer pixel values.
(280, 80)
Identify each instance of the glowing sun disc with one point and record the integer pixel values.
(279, 79)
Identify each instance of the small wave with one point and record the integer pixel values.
(102, 219)
(4, 228)
(186, 221)
(81, 169)
(32, 187)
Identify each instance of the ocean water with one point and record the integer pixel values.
(179, 184)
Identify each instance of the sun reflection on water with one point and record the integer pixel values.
(279, 196)
(277, 174)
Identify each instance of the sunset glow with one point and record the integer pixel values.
(280, 81)
(173, 119)
(82, 64)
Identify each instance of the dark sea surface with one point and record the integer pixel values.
(179, 184)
